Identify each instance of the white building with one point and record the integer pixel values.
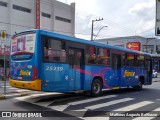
(149, 45)
(20, 15)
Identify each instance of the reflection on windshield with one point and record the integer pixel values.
(23, 43)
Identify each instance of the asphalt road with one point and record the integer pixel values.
(77, 106)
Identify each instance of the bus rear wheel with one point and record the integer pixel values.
(139, 86)
(96, 89)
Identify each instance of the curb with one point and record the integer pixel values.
(156, 81)
(1, 97)
(8, 96)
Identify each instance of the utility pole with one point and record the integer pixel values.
(100, 19)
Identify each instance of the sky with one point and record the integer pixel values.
(122, 18)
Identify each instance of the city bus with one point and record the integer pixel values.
(47, 61)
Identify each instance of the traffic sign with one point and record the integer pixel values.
(3, 38)
(157, 27)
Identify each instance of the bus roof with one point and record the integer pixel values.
(70, 38)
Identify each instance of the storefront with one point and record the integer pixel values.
(7, 56)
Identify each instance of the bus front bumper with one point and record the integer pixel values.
(32, 85)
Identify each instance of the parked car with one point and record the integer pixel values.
(154, 74)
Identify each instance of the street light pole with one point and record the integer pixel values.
(92, 30)
(3, 46)
(93, 25)
(99, 31)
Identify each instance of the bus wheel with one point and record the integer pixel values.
(139, 86)
(96, 89)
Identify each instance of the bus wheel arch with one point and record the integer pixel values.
(96, 86)
(141, 79)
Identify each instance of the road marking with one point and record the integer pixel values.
(91, 100)
(63, 107)
(27, 99)
(59, 107)
(95, 118)
(6, 86)
(22, 90)
(108, 103)
(134, 106)
(148, 118)
(32, 98)
(13, 88)
(44, 104)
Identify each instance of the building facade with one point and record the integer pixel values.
(149, 45)
(20, 15)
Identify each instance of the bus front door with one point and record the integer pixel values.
(76, 61)
(116, 67)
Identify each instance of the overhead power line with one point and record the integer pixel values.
(108, 21)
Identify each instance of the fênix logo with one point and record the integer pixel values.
(23, 72)
(128, 73)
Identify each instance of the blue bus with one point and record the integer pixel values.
(47, 61)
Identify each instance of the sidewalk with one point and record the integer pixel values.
(156, 79)
(2, 82)
(10, 91)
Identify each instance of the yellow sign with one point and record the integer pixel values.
(3, 40)
(3, 34)
(23, 72)
(128, 74)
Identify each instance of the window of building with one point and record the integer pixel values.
(63, 19)
(4, 4)
(46, 15)
(91, 54)
(54, 50)
(130, 59)
(140, 60)
(148, 48)
(16, 7)
(103, 56)
(158, 49)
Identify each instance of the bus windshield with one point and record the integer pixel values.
(23, 46)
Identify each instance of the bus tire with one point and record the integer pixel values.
(96, 88)
(139, 86)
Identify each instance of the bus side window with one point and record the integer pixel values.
(130, 61)
(50, 54)
(140, 59)
(91, 55)
(45, 48)
(45, 53)
(54, 50)
(59, 50)
(124, 59)
(63, 55)
(103, 56)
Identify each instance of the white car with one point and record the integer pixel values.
(154, 73)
